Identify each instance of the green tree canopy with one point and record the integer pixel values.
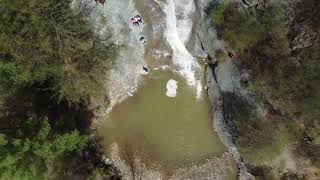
(31, 158)
(47, 39)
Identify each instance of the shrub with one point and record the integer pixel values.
(31, 158)
(263, 46)
(240, 30)
(46, 39)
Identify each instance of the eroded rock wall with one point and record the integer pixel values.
(223, 80)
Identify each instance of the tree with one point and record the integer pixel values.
(31, 158)
(290, 87)
(43, 40)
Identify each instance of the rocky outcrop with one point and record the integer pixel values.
(225, 89)
(304, 32)
(223, 81)
(302, 18)
(224, 98)
(203, 32)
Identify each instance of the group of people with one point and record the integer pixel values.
(136, 20)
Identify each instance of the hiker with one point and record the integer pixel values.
(142, 40)
(101, 2)
(145, 69)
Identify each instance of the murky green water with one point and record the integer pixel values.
(173, 130)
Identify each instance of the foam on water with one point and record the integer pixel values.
(172, 88)
(177, 33)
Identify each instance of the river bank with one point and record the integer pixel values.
(173, 132)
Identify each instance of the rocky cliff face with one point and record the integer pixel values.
(223, 81)
(304, 22)
(204, 34)
(226, 81)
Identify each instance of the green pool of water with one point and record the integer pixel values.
(173, 130)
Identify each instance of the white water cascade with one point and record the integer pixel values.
(179, 26)
(177, 33)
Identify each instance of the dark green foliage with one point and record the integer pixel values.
(239, 29)
(263, 45)
(310, 83)
(46, 39)
(253, 132)
(255, 40)
(97, 174)
(310, 150)
(51, 65)
(262, 172)
(218, 14)
(291, 88)
(308, 145)
(32, 158)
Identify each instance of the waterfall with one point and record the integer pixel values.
(112, 19)
(177, 33)
(179, 26)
